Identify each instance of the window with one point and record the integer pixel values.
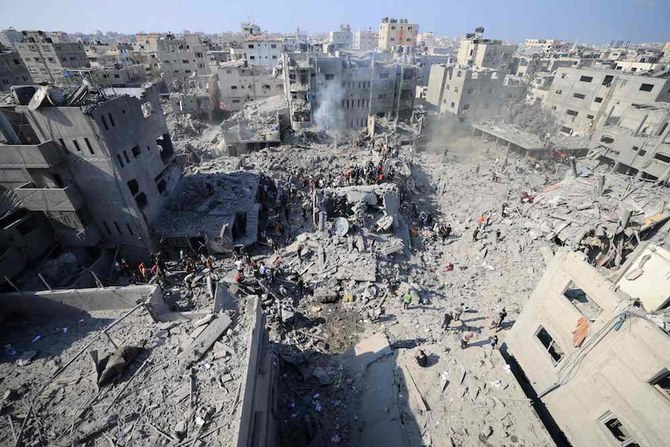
(76, 145)
(104, 122)
(233, 87)
(466, 107)
(635, 148)
(274, 45)
(117, 76)
(663, 127)
(566, 130)
(274, 57)
(646, 87)
(381, 96)
(130, 230)
(663, 158)
(133, 186)
(615, 428)
(607, 140)
(383, 75)
(118, 228)
(608, 80)
(251, 45)
(111, 120)
(662, 383)
(330, 76)
(549, 344)
(118, 157)
(104, 224)
(584, 303)
(643, 153)
(62, 144)
(564, 75)
(141, 200)
(453, 105)
(579, 96)
(469, 91)
(589, 117)
(184, 61)
(571, 112)
(252, 57)
(88, 145)
(409, 28)
(558, 92)
(125, 155)
(586, 78)
(459, 74)
(598, 99)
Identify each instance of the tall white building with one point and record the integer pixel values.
(258, 50)
(366, 40)
(342, 39)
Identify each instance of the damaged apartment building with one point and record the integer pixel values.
(12, 70)
(626, 116)
(341, 91)
(240, 83)
(99, 165)
(475, 87)
(594, 348)
(50, 61)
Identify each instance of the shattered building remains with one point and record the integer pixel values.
(258, 50)
(258, 125)
(595, 348)
(340, 92)
(48, 61)
(12, 70)
(240, 83)
(99, 166)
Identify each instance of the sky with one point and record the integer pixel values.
(592, 21)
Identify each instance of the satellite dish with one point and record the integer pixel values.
(38, 98)
(55, 96)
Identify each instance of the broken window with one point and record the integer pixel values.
(136, 151)
(558, 92)
(643, 153)
(161, 186)
(549, 344)
(662, 382)
(118, 157)
(598, 99)
(589, 117)
(615, 428)
(663, 158)
(584, 303)
(165, 144)
(111, 120)
(608, 80)
(118, 228)
(564, 75)
(579, 96)
(88, 145)
(586, 78)
(133, 186)
(330, 76)
(607, 140)
(646, 87)
(125, 155)
(141, 200)
(571, 112)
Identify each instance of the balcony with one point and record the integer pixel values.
(42, 155)
(49, 199)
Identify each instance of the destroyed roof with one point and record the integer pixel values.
(513, 134)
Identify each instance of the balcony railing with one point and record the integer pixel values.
(42, 155)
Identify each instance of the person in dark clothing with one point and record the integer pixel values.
(421, 358)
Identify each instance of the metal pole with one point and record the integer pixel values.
(12, 284)
(44, 281)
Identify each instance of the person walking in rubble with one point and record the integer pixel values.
(458, 312)
(406, 300)
(143, 271)
(448, 317)
(475, 233)
(497, 322)
(465, 338)
(493, 341)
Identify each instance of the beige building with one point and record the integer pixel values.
(366, 40)
(397, 33)
(475, 51)
(596, 351)
(179, 58)
(48, 61)
(258, 50)
(583, 99)
(240, 83)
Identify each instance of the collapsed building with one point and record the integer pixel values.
(99, 165)
(594, 347)
(339, 92)
(257, 126)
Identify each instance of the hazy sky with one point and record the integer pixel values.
(587, 20)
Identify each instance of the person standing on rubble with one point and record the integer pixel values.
(466, 337)
(143, 271)
(406, 300)
(493, 341)
(458, 311)
(475, 233)
(448, 317)
(239, 264)
(497, 322)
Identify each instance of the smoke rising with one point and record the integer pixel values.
(329, 115)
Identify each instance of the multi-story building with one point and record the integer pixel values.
(10, 37)
(240, 83)
(113, 76)
(99, 166)
(595, 349)
(583, 99)
(250, 29)
(475, 51)
(106, 55)
(366, 40)
(179, 58)
(341, 92)
(258, 50)
(546, 46)
(342, 39)
(12, 71)
(397, 33)
(147, 41)
(426, 40)
(48, 61)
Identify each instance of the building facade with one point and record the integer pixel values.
(99, 168)
(583, 99)
(240, 83)
(12, 71)
(10, 37)
(366, 40)
(477, 52)
(340, 92)
(342, 39)
(397, 33)
(594, 352)
(180, 58)
(49, 62)
(258, 50)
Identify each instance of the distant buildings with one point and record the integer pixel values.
(366, 40)
(342, 39)
(397, 33)
(181, 57)
(99, 167)
(48, 61)
(547, 46)
(339, 93)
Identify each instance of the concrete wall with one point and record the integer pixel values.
(394, 34)
(473, 95)
(257, 423)
(610, 373)
(258, 51)
(12, 71)
(47, 62)
(436, 83)
(239, 85)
